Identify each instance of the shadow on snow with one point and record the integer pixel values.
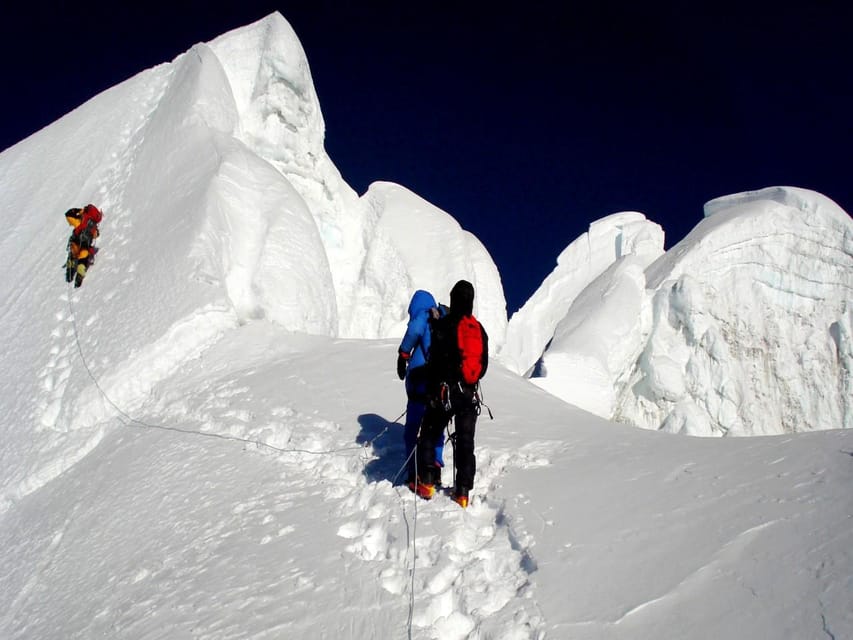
(388, 448)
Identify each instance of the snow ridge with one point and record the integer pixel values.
(217, 194)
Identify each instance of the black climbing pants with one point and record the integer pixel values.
(464, 409)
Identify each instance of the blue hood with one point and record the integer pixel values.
(417, 339)
(421, 300)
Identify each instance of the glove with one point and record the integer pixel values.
(401, 366)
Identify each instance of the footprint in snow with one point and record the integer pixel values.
(468, 565)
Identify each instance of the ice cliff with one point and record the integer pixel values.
(742, 328)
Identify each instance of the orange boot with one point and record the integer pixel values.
(425, 490)
(460, 497)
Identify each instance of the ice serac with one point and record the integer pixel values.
(279, 120)
(609, 239)
(366, 241)
(416, 245)
(597, 341)
(751, 320)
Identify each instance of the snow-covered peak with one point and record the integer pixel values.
(270, 78)
(375, 257)
(280, 120)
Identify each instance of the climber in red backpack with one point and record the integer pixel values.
(458, 358)
(81, 249)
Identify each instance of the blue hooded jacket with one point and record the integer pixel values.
(416, 340)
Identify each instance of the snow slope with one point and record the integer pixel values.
(203, 440)
(743, 328)
(262, 213)
(240, 500)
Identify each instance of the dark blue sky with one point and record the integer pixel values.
(526, 122)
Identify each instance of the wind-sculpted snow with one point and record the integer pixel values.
(415, 232)
(751, 325)
(743, 328)
(371, 276)
(256, 223)
(532, 327)
(280, 120)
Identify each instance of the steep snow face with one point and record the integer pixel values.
(280, 120)
(743, 328)
(533, 326)
(367, 248)
(751, 322)
(222, 150)
(237, 221)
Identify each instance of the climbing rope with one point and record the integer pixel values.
(129, 421)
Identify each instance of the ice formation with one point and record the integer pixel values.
(742, 328)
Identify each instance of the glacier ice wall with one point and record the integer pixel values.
(742, 328)
(372, 270)
(751, 325)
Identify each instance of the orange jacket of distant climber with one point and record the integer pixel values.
(85, 222)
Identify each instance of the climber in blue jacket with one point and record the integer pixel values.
(411, 358)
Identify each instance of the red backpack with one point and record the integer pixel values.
(469, 337)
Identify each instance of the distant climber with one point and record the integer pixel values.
(411, 360)
(81, 249)
(458, 358)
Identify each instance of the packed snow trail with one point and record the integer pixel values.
(468, 567)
